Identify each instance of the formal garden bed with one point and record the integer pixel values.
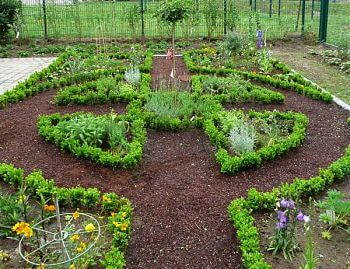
(219, 152)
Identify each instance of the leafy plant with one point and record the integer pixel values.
(309, 252)
(336, 214)
(234, 42)
(263, 60)
(85, 128)
(242, 136)
(170, 104)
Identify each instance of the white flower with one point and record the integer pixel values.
(307, 219)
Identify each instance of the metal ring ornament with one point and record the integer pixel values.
(58, 238)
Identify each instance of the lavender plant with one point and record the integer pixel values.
(133, 75)
(242, 136)
(284, 239)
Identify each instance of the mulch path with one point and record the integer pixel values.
(162, 68)
(179, 195)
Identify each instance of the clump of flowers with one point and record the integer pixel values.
(23, 228)
(284, 239)
(49, 208)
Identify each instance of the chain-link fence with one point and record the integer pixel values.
(209, 18)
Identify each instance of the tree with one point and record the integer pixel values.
(174, 11)
(9, 10)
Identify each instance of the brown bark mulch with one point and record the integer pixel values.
(180, 196)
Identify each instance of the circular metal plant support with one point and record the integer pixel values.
(51, 243)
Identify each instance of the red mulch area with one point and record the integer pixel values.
(180, 196)
(161, 71)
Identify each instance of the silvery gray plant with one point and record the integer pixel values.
(242, 136)
(133, 75)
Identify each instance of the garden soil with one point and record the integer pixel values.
(180, 198)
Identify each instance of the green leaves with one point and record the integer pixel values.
(173, 11)
(84, 135)
(218, 127)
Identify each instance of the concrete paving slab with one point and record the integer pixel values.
(14, 70)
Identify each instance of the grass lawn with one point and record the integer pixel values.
(328, 77)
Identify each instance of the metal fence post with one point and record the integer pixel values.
(225, 17)
(142, 20)
(279, 8)
(323, 20)
(45, 19)
(303, 10)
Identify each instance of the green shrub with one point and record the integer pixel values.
(9, 11)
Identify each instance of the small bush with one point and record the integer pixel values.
(9, 11)
(234, 42)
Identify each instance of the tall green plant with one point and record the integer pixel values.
(211, 15)
(172, 12)
(9, 11)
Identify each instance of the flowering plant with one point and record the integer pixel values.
(288, 216)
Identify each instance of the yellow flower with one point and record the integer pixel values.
(72, 266)
(124, 215)
(21, 198)
(106, 199)
(50, 208)
(113, 214)
(74, 237)
(81, 248)
(116, 223)
(124, 226)
(76, 215)
(90, 228)
(41, 266)
(23, 228)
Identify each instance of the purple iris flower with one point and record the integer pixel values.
(300, 216)
(291, 204)
(284, 203)
(281, 225)
(282, 216)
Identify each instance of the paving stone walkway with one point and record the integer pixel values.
(14, 70)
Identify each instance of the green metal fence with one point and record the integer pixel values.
(79, 19)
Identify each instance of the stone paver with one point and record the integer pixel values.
(14, 70)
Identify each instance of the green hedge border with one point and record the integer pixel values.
(232, 164)
(81, 94)
(240, 210)
(32, 85)
(47, 129)
(301, 86)
(255, 93)
(77, 197)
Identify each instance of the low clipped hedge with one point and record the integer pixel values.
(240, 210)
(86, 94)
(47, 129)
(40, 81)
(254, 93)
(233, 164)
(80, 197)
(301, 86)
